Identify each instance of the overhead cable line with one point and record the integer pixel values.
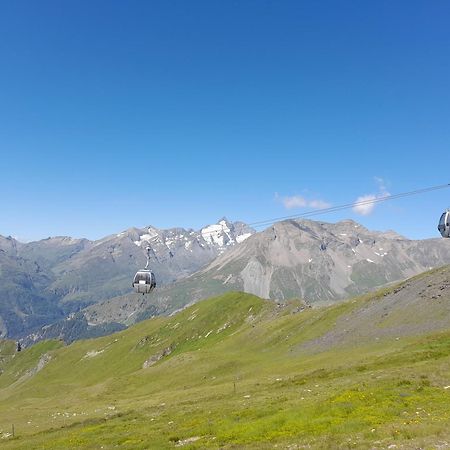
(384, 198)
(331, 209)
(317, 212)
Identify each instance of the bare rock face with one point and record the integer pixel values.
(256, 278)
(43, 361)
(155, 358)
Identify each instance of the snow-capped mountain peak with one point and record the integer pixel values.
(225, 234)
(215, 237)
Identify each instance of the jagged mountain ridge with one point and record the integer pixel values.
(44, 281)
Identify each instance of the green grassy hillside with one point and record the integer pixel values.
(237, 371)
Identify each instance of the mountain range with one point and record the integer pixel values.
(73, 288)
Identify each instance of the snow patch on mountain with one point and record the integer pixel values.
(225, 234)
(218, 234)
(242, 237)
(215, 237)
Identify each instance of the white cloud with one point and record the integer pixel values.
(365, 204)
(319, 204)
(297, 201)
(382, 187)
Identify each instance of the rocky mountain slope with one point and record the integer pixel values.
(240, 371)
(44, 281)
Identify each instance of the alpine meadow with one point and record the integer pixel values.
(224, 225)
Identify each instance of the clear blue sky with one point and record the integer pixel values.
(175, 113)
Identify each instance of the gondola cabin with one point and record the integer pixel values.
(444, 224)
(144, 281)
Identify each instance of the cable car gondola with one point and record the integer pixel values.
(444, 224)
(144, 280)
